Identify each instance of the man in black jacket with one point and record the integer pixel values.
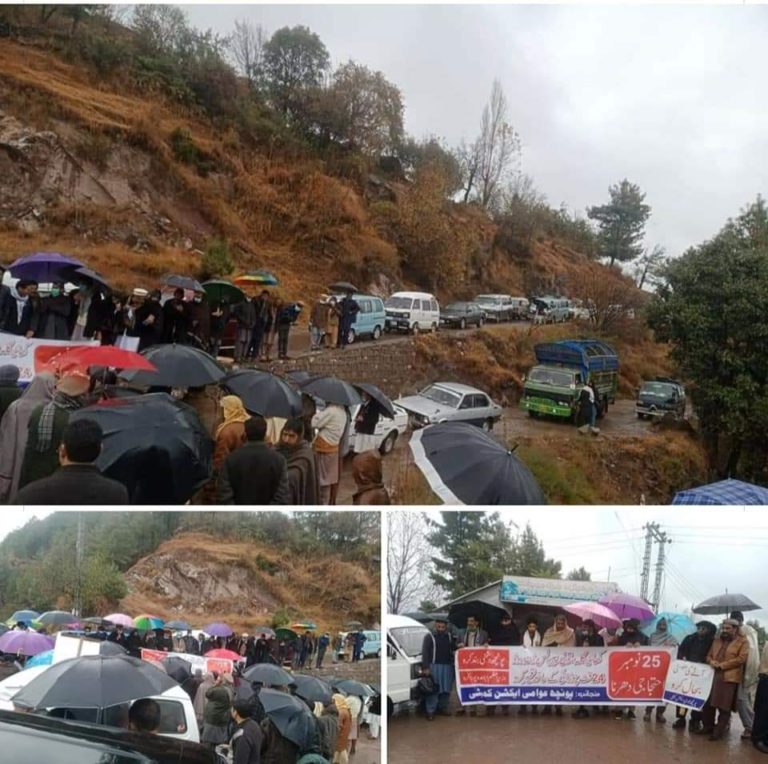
(23, 317)
(78, 480)
(694, 648)
(254, 473)
(7, 303)
(437, 663)
(506, 634)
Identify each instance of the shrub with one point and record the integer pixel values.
(216, 261)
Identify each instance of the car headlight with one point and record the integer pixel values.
(406, 315)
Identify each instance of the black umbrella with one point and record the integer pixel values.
(101, 623)
(426, 617)
(177, 668)
(111, 648)
(93, 681)
(294, 721)
(312, 689)
(725, 603)
(154, 445)
(383, 402)
(299, 377)
(464, 465)
(264, 393)
(268, 674)
(266, 630)
(183, 282)
(353, 687)
(488, 615)
(342, 286)
(56, 618)
(332, 390)
(79, 273)
(177, 366)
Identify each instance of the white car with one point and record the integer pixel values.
(387, 430)
(450, 402)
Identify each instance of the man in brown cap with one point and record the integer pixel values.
(727, 656)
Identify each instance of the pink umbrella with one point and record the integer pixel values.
(25, 642)
(119, 619)
(600, 614)
(627, 606)
(225, 654)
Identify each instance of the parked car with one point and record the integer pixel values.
(660, 396)
(370, 320)
(387, 430)
(371, 646)
(462, 314)
(550, 310)
(450, 402)
(497, 307)
(412, 312)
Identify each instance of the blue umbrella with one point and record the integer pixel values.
(724, 492)
(678, 625)
(44, 267)
(23, 616)
(178, 626)
(41, 659)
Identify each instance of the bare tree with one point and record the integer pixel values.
(650, 265)
(247, 48)
(408, 561)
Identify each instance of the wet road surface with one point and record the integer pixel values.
(599, 740)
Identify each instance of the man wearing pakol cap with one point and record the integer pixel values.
(727, 656)
(437, 662)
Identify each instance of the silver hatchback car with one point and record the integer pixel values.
(450, 402)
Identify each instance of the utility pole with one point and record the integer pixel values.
(79, 553)
(663, 540)
(650, 530)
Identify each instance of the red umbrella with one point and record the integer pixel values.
(226, 654)
(99, 355)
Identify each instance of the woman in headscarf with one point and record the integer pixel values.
(369, 479)
(345, 726)
(13, 432)
(560, 634)
(230, 435)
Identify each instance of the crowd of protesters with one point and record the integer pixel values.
(740, 678)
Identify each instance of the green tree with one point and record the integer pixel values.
(713, 309)
(530, 559)
(621, 222)
(579, 574)
(427, 606)
(217, 260)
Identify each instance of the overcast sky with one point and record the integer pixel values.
(669, 97)
(712, 549)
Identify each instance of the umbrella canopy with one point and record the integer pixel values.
(218, 630)
(678, 625)
(177, 668)
(268, 674)
(353, 625)
(119, 619)
(426, 617)
(353, 687)
(489, 615)
(101, 623)
(464, 465)
(24, 642)
(291, 716)
(148, 622)
(306, 625)
(342, 286)
(78, 274)
(99, 355)
(259, 277)
(3, 629)
(725, 603)
(44, 267)
(23, 616)
(332, 390)
(177, 366)
(312, 689)
(111, 648)
(41, 659)
(264, 393)
(299, 376)
(594, 611)
(154, 445)
(217, 290)
(265, 630)
(724, 492)
(382, 401)
(283, 633)
(228, 655)
(627, 606)
(183, 282)
(178, 626)
(56, 618)
(93, 681)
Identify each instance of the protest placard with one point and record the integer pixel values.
(689, 684)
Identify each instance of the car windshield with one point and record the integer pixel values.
(488, 299)
(441, 396)
(459, 306)
(398, 302)
(658, 389)
(410, 638)
(551, 377)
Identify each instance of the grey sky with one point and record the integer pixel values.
(712, 549)
(669, 97)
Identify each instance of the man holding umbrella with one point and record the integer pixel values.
(348, 310)
(437, 663)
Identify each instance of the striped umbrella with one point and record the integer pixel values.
(259, 277)
(148, 622)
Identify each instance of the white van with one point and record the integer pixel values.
(404, 640)
(412, 312)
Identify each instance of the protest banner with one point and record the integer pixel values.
(562, 675)
(689, 684)
(31, 356)
(206, 665)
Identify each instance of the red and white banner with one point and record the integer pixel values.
(206, 665)
(32, 356)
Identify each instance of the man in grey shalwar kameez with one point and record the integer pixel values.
(437, 661)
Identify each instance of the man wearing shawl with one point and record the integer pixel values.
(746, 699)
(302, 472)
(660, 638)
(560, 634)
(437, 661)
(369, 479)
(727, 656)
(46, 427)
(230, 435)
(694, 648)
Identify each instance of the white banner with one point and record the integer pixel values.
(124, 342)
(689, 684)
(206, 665)
(31, 355)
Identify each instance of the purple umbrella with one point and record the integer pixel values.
(218, 630)
(44, 267)
(628, 606)
(600, 614)
(25, 642)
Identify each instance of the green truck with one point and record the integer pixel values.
(552, 387)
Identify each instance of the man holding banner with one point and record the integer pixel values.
(694, 648)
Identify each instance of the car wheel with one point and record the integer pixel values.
(388, 444)
(351, 337)
(377, 333)
(487, 425)
(462, 324)
(415, 329)
(533, 414)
